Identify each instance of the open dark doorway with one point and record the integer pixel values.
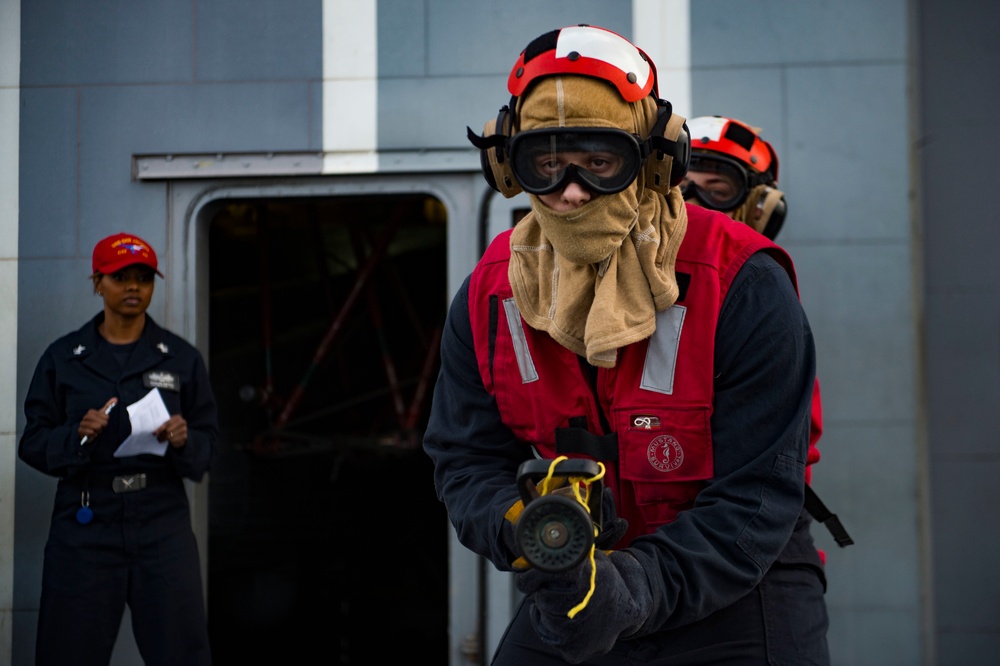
(325, 537)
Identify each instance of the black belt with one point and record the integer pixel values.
(126, 482)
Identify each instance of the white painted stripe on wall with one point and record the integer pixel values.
(662, 28)
(10, 81)
(350, 86)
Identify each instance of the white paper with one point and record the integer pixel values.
(146, 414)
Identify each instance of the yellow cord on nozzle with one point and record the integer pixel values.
(583, 499)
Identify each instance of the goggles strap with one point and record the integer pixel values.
(657, 140)
(664, 145)
(486, 142)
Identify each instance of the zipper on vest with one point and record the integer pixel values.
(590, 375)
(494, 318)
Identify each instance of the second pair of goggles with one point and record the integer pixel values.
(602, 160)
(733, 185)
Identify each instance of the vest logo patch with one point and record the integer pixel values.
(168, 381)
(665, 453)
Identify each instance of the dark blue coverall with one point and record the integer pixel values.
(139, 547)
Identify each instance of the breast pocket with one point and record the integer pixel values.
(666, 457)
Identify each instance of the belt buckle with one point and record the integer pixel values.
(129, 483)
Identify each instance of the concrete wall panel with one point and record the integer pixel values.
(846, 152)
(739, 33)
(106, 42)
(859, 304)
(258, 40)
(484, 38)
(963, 372)
(49, 173)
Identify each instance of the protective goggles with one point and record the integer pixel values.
(719, 182)
(602, 160)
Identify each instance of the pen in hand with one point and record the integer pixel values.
(107, 410)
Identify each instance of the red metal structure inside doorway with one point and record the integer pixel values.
(325, 320)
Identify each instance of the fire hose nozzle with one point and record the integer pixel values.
(556, 532)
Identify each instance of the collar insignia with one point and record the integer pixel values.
(78, 350)
(162, 347)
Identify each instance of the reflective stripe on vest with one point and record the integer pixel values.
(516, 325)
(661, 355)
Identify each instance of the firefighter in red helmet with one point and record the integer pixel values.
(641, 350)
(735, 171)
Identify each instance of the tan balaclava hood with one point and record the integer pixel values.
(594, 277)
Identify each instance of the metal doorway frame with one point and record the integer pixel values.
(480, 598)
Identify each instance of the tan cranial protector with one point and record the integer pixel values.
(760, 204)
(503, 177)
(594, 277)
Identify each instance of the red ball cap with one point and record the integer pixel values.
(114, 253)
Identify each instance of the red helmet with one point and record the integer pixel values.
(735, 139)
(591, 51)
(588, 51)
(740, 172)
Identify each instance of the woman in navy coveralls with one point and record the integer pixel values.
(121, 526)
